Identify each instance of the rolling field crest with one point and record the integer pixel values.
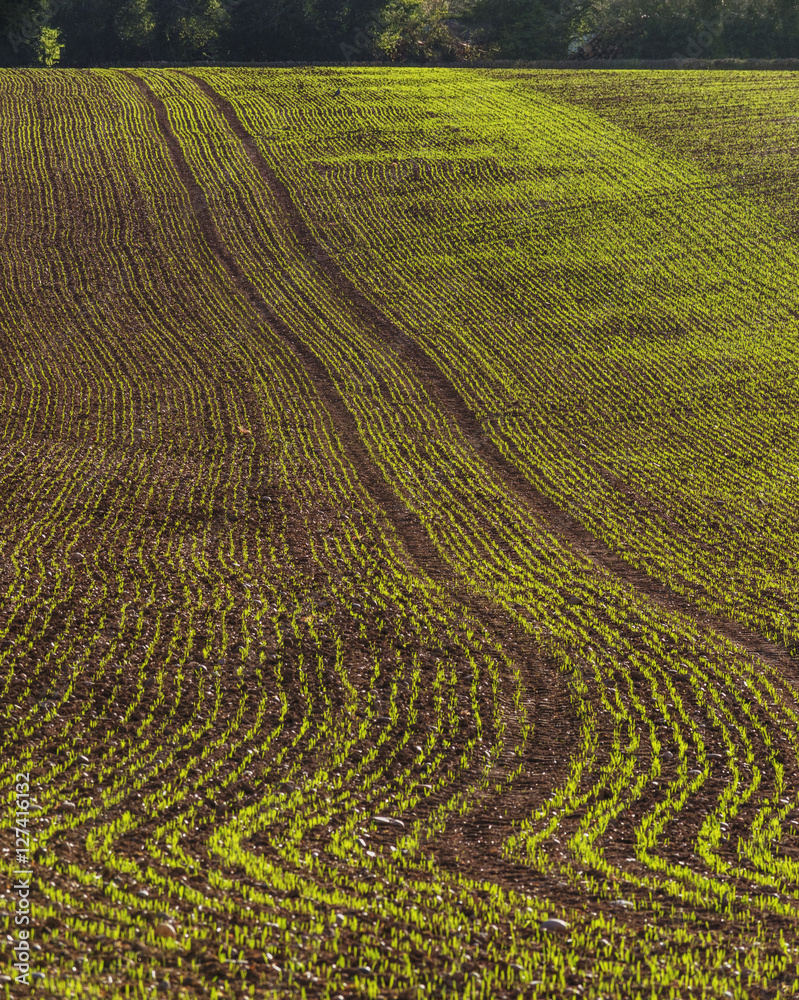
(398, 494)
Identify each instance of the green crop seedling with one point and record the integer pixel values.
(398, 493)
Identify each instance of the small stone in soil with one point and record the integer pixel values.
(554, 925)
(390, 821)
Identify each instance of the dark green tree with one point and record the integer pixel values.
(190, 29)
(691, 29)
(418, 31)
(22, 25)
(264, 30)
(520, 29)
(94, 32)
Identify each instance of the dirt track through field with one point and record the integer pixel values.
(438, 384)
(547, 732)
(408, 528)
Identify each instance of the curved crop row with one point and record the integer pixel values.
(621, 323)
(340, 337)
(301, 672)
(204, 609)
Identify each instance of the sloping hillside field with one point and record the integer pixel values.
(399, 492)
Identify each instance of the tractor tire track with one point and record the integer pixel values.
(440, 387)
(566, 527)
(408, 529)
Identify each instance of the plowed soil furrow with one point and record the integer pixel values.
(567, 527)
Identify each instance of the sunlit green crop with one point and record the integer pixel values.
(377, 447)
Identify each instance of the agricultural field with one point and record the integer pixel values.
(399, 492)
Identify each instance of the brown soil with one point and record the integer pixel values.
(471, 846)
(449, 399)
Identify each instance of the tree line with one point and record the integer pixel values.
(108, 32)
